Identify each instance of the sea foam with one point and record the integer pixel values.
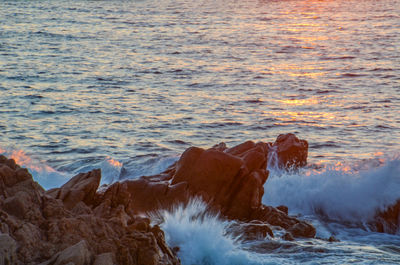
(340, 192)
(202, 237)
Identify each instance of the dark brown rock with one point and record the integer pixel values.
(8, 250)
(74, 224)
(388, 220)
(254, 230)
(292, 152)
(82, 187)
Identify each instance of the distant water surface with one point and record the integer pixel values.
(82, 79)
(129, 85)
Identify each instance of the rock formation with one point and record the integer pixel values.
(62, 226)
(387, 221)
(79, 224)
(230, 180)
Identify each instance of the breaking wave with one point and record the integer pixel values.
(340, 192)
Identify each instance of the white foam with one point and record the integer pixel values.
(150, 166)
(202, 237)
(339, 192)
(110, 170)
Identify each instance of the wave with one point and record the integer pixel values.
(202, 237)
(340, 192)
(112, 170)
(45, 175)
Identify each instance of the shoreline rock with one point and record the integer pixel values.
(80, 224)
(230, 180)
(61, 226)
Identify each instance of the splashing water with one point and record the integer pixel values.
(339, 192)
(47, 176)
(202, 237)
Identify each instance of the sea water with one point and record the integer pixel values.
(127, 86)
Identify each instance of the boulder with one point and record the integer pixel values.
(388, 220)
(74, 224)
(78, 254)
(254, 230)
(82, 187)
(104, 259)
(230, 180)
(292, 152)
(8, 250)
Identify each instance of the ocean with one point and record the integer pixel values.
(127, 86)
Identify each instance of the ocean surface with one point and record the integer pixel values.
(127, 86)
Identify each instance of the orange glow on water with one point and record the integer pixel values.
(22, 159)
(113, 162)
(299, 102)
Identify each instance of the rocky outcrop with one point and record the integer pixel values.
(70, 226)
(388, 220)
(230, 180)
(78, 224)
(291, 151)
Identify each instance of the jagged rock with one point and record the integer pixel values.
(8, 250)
(47, 226)
(387, 221)
(291, 151)
(78, 254)
(288, 237)
(104, 259)
(254, 230)
(230, 180)
(82, 187)
(283, 209)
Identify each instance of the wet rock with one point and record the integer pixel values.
(254, 230)
(275, 217)
(302, 229)
(388, 220)
(288, 237)
(283, 209)
(333, 239)
(292, 152)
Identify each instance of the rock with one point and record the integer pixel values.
(8, 250)
(302, 229)
(288, 237)
(74, 224)
(388, 220)
(82, 187)
(283, 209)
(77, 254)
(292, 152)
(254, 230)
(275, 217)
(78, 224)
(18, 205)
(8, 175)
(104, 259)
(230, 180)
(333, 239)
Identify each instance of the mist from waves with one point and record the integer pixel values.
(341, 191)
(202, 237)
